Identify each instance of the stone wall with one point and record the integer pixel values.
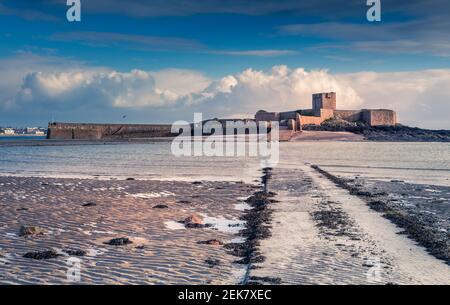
(348, 115)
(290, 115)
(267, 116)
(379, 117)
(66, 131)
(310, 120)
(326, 114)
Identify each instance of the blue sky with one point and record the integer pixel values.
(158, 61)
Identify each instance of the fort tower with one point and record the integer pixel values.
(323, 101)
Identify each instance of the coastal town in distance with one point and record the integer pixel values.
(223, 151)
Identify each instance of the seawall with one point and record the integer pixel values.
(79, 131)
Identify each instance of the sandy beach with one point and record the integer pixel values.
(83, 215)
(322, 234)
(319, 217)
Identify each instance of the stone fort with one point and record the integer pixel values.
(324, 107)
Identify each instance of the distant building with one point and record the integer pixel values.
(324, 107)
(9, 131)
(34, 131)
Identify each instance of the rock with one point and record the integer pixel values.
(212, 262)
(21, 209)
(130, 179)
(212, 242)
(183, 201)
(90, 204)
(28, 231)
(197, 182)
(42, 255)
(161, 206)
(193, 220)
(122, 241)
(75, 252)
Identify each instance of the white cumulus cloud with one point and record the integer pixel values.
(421, 98)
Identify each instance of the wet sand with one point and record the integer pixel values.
(82, 215)
(322, 234)
(307, 227)
(326, 136)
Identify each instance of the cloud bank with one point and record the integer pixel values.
(92, 93)
(280, 88)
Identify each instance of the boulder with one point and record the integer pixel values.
(89, 204)
(212, 242)
(42, 255)
(194, 220)
(75, 252)
(28, 231)
(122, 241)
(161, 206)
(212, 262)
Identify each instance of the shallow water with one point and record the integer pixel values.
(427, 163)
(120, 161)
(300, 257)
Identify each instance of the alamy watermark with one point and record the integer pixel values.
(227, 138)
(73, 273)
(373, 275)
(374, 12)
(74, 12)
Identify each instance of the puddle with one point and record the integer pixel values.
(242, 207)
(224, 225)
(173, 225)
(152, 195)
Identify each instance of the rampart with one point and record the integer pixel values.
(74, 131)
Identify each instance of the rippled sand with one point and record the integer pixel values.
(323, 235)
(163, 250)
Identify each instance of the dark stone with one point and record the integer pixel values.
(21, 209)
(90, 204)
(42, 255)
(122, 241)
(212, 262)
(75, 252)
(130, 179)
(183, 201)
(213, 242)
(28, 231)
(160, 206)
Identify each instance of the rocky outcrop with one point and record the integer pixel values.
(397, 133)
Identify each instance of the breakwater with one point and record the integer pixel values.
(80, 131)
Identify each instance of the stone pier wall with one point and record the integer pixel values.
(76, 131)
